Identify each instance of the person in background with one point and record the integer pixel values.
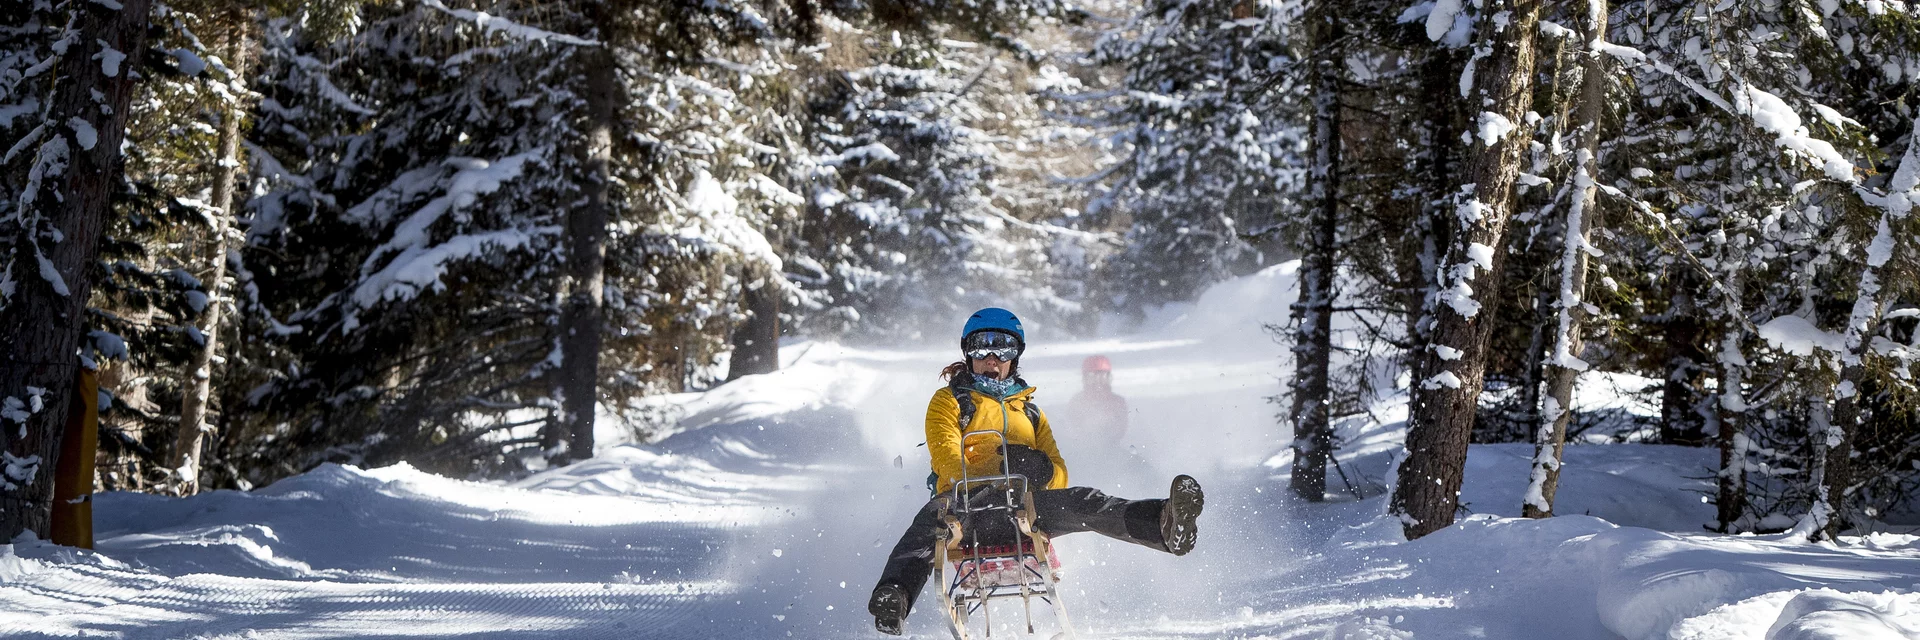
(985, 387)
(1097, 408)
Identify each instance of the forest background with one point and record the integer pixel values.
(455, 233)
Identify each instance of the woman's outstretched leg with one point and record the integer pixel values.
(907, 570)
(1165, 524)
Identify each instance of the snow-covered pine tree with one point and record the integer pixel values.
(1875, 387)
(1203, 154)
(1769, 209)
(1434, 121)
(153, 303)
(1692, 171)
(399, 269)
(912, 216)
(67, 78)
(453, 360)
(568, 435)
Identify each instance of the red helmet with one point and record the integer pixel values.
(1096, 363)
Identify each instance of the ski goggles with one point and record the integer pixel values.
(1004, 346)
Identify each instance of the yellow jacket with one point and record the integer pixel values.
(983, 451)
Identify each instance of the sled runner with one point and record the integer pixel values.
(988, 550)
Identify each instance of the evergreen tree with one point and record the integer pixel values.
(1203, 152)
(69, 78)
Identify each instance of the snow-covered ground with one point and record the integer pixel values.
(765, 515)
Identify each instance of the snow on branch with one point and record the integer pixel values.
(377, 209)
(492, 23)
(1442, 18)
(474, 178)
(1798, 336)
(1766, 110)
(1773, 115)
(325, 87)
(416, 266)
(713, 220)
(420, 267)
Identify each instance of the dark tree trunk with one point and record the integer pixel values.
(1441, 421)
(1521, 428)
(1313, 339)
(41, 325)
(1680, 419)
(1434, 168)
(187, 442)
(1839, 437)
(583, 313)
(1565, 364)
(756, 342)
(1820, 517)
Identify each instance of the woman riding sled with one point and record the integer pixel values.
(992, 343)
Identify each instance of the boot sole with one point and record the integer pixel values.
(1185, 501)
(889, 609)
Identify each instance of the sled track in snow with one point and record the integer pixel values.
(208, 606)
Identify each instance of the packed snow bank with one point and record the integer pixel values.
(343, 552)
(70, 593)
(1657, 583)
(815, 375)
(1830, 615)
(1580, 578)
(1814, 614)
(396, 523)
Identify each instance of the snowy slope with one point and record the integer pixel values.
(765, 513)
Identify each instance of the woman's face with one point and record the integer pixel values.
(992, 367)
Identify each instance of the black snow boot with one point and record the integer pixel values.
(1178, 531)
(889, 606)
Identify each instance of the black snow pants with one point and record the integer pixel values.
(1059, 512)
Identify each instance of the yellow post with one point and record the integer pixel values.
(73, 476)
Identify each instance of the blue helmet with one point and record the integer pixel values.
(995, 319)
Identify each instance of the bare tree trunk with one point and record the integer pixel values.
(583, 313)
(186, 456)
(54, 240)
(1819, 516)
(1862, 323)
(1566, 365)
(1313, 338)
(1535, 382)
(1839, 453)
(1441, 421)
(756, 342)
(1730, 499)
